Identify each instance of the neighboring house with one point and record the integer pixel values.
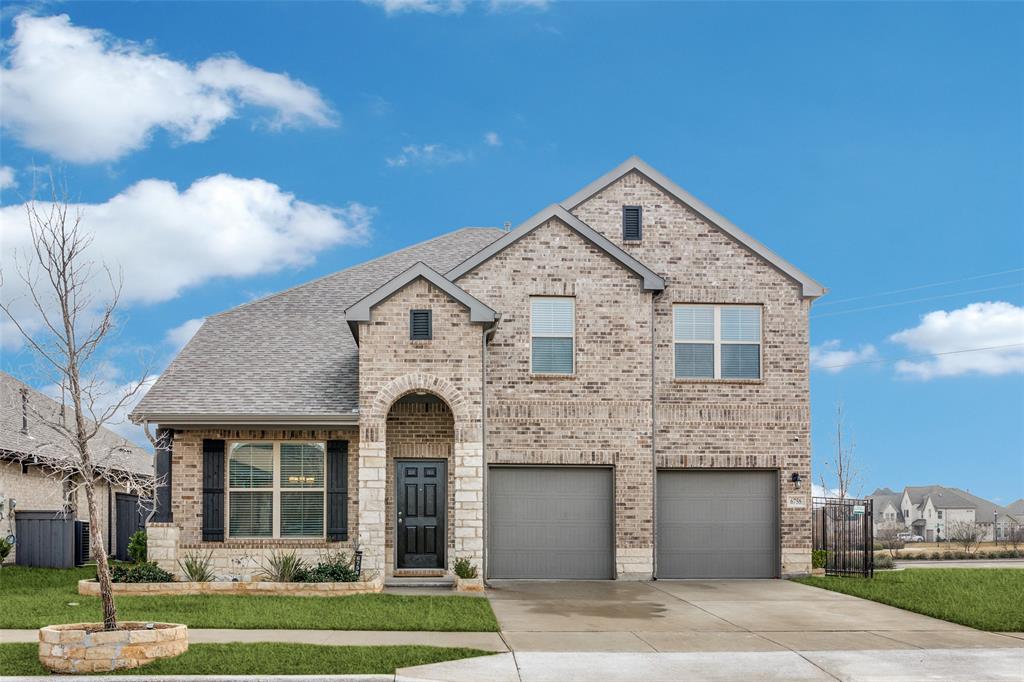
(930, 511)
(31, 500)
(617, 388)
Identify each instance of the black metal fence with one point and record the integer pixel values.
(843, 528)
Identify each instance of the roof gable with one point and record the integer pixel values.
(360, 311)
(652, 281)
(810, 287)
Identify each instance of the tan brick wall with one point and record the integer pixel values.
(720, 423)
(601, 414)
(35, 491)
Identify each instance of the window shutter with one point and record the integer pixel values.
(213, 490)
(632, 226)
(337, 490)
(420, 325)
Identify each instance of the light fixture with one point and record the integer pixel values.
(797, 480)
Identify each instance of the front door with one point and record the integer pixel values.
(421, 503)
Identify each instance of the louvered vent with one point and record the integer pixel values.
(632, 230)
(419, 325)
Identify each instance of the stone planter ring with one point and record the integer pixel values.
(88, 648)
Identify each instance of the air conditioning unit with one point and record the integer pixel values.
(81, 543)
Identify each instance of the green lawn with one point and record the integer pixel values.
(986, 599)
(261, 659)
(33, 597)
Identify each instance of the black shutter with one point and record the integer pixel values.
(213, 490)
(337, 490)
(419, 325)
(632, 228)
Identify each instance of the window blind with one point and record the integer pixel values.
(552, 323)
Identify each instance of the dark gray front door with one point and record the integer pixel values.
(550, 522)
(130, 518)
(421, 504)
(718, 524)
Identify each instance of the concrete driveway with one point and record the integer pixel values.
(713, 615)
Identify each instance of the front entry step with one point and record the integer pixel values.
(441, 580)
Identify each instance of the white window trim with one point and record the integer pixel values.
(718, 342)
(572, 300)
(275, 489)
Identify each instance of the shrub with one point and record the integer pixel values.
(5, 548)
(197, 567)
(464, 569)
(937, 555)
(283, 567)
(145, 572)
(332, 568)
(884, 561)
(818, 558)
(137, 547)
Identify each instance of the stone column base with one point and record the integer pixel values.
(634, 563)
(162, 541)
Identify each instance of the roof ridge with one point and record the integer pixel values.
(274, 295)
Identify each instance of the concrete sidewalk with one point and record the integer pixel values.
(968, 665)
(960, 563)
(485, 641)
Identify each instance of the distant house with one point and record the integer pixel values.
(930, 511)
(32, 500)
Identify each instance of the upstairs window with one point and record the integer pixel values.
(632, 224)
(420, 325)
(717, 341)
(552, 333)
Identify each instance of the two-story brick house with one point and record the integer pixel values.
(617, 388)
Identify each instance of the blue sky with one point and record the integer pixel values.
(878, 147)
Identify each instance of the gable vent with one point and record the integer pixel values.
(420, 325)
(632, 228)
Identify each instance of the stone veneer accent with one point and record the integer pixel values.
(80, 648)
(91, 588)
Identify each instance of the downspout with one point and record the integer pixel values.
(654, 449)
(487, 336)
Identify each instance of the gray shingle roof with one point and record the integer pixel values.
(290, 355)
(882, 498)
(109, 450)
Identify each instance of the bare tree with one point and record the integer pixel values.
(1014, 537)
(843, 466)
(71, 323)
(967, 534)
(889, 537)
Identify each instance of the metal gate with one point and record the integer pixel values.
(843, 528)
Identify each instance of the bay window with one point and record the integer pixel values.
(717, 341)
(276, 489)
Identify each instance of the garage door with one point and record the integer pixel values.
(549, 522)
(718, 524)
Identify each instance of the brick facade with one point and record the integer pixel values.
(622, 407)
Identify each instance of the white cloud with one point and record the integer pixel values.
(166, 240)
(492, 139)
(830, 357)
(183, 333)
(978, 325)
(426, 155)
(7, 180)
(85, 96)
(817, 490)
(423, 6)
(512, 5)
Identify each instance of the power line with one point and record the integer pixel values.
(920, 286)
(925, 355)
(917, 300)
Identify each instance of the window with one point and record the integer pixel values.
(940, 513)
(632, 223)
(717, 341)
(420, 327)
(276, 490)
(552, 332)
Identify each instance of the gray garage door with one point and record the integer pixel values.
(549, 522)
(718, 524)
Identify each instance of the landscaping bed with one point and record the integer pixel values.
(34, 597)
(184, 588)
(262, 659)
(979, 598)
